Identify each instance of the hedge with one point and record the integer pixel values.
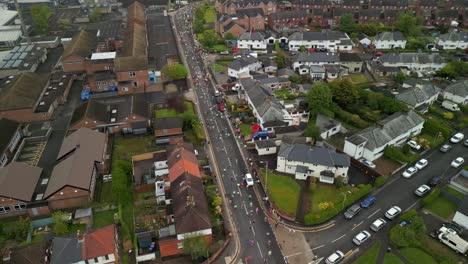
(394, 153)
(432, 127)
(354, 120)
(379, 181)
(431, 197)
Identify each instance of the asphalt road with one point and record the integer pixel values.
(398, 191)
(257, 239)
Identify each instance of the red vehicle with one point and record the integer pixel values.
(222, 106)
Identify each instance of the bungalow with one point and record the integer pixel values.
(305, 161)
(420, 97)
(11, 136)
(393, 130)
(329, 40)
(327, 126)
(389, 40)
(80, 159)
(251, 41)
(243, 65)
(453, 40)
(265, 147)
(457, 92)
(423, 63)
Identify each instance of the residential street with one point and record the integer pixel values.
(258, 244)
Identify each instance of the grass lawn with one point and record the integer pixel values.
(391, 258)
(218, 67)
(442, 207)
(210, 14)
(431, 140)
(284, 191)
(220, 48)
(370, 256)
(329, 193)
(166, 113)
(358, 78)
(454, 192)
(106, 192)
(125, 148)
(245, 129)
(282, 93)
(439, 250)
(417, 256)
(102, 219)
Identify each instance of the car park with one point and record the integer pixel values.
(421, 164)
(435, 181)
(422, 190)
(409, 172)
(368, 163)
(445, 148)
(457, 162)
(414, 145)
(457, 138)
(378, 224)
(249, 180)
(393, 212)
(352, 211)
(334, 258)
(369, 201)
(361, 237)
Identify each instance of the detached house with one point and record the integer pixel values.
(393, 130)
(420, 97)
(251, 41)
(306, 161)
(457, 92)
(329, 40)
(389, 40)
(243, 65)
(423, 63)
(453, 40)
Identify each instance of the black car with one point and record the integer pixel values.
(352, 211)
(435, 181)
(231, 80)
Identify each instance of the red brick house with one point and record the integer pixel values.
(289, 19)
(231, 7)
(225, 24)
(168, 127)
(77, 53)
(72, 181)
(182, 160)
(101, 244)
(18, 181)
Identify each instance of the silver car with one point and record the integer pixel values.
(361, 237)
(378, 224)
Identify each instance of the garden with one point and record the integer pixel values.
(283, 191)
(204, 17)
(441, 206)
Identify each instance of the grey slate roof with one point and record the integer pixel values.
(265, 144)
(285, 72)
(463, 206)
(250, 12)
(390, 36)
(325, 123)
(266, 105)
(417, 95)
(252, 36)
(459, 88)
(65, 250)
(421, 58)
(317, 57)
(387, 130)
(455, 36)
(242, 62)
(315, 155)
(350, 57)
(317, 69)
(326, 35)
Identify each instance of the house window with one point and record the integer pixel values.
(19, 207)
(132, 74)
(125, 89)
(135, 84)
(267, 149)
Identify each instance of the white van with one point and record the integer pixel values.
(451, 106)
(450, 238)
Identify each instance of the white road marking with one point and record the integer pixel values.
(317, 261)
(374, 213)
(259, 250)
(357, 225)
(253, 230)
(245, 207)
(295, 254)
(317, 247)
(240, 193)
(333, 241)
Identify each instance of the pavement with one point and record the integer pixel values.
(256, 239)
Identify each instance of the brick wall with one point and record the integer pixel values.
(168, 132)
(68, 197)
(26, 115)
(74, 64)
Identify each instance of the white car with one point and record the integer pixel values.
(421, 164)
(361, 237)
(457, 162)
(336, 257)
(368, 163)
(393, 212)
(409, 172)
(422, 190)
(458, 137)
(378, 224)
(249, 180)
(414, 145)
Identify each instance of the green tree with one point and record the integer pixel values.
(319, 97)
(371, 28)
(120, 182)
(195, 246)
(390, 106)
(454, 69)
(347, 23)
(295, 78)
(174, 71)
(344, 92)
(22, 228)
(40, 15)
(229, 36)
(312, 131)
(65, 24)
(199, 13)
(198, 26)
(400, 77)
(96, 14)
(408, 24)
(302, 48)
(280, 61)
(60, 223)
(209, 38)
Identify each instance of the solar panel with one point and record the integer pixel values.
(2, 63)
(15, 56)
(16, 63)
(22, 48)
(9, 63)
(23, 55)
(16, 48)
(29, 48)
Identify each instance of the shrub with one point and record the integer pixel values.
(379, 181)
(408, 215)
(406, 149)
(431, 197)
(448, 115)
(339, 182)
(432, 127)
(394, 153)
(403, 237)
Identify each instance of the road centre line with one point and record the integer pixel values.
(357, 225)
(374, 213)
(333, 241)
(259, 250)
(295, 254)
(317, 247)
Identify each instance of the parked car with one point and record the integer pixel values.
(422, 190)
(457, 162)
(446, 148)
(414, 145)
(368, 163)
(378, 224)
(421, 164)
(409, 172)
(370, 200)
(457, 138)
(466, 143)
(249, 180)
(352, 211)
(334, 258)
(361, 237)
(393, 212)
(435, 181)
